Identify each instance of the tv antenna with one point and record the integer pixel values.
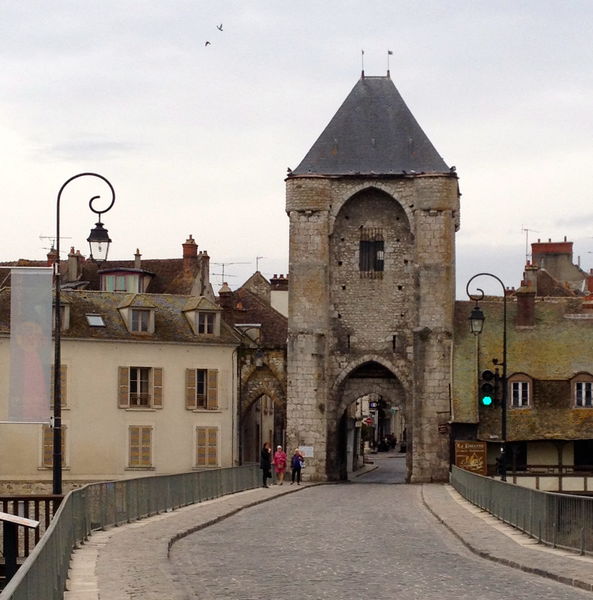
(223, 265)
(527, 231)
(52, 239)
(257, 259)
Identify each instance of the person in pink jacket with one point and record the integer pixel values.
(280, 464)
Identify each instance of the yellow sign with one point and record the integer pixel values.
(471, 456)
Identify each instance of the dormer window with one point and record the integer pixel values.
(203, 316)
(138, 314)
(140, 320)
(206, 322)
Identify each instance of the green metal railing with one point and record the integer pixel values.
(97, 505)
(559, 520)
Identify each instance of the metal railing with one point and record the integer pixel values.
(98, 505)
(559, 520)
(39, 508)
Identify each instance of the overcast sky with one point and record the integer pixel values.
(196, 139)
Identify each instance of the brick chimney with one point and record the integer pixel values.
(279, 283)
(525, 306)
(190, 254)
(137, 259)
(52, 257)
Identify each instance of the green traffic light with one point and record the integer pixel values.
(487, 400)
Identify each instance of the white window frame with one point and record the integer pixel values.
(520, 393)
(206, 322)
(140, 376)
(140, 320)
(583, 394)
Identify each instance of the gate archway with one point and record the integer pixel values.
(370, 412)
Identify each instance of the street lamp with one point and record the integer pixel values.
(476, 325)
(99, 247)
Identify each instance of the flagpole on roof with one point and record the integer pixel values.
(362, 62)
(389, 53)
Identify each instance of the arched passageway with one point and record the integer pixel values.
(263, 414)
(371, 419)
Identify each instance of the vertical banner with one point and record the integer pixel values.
(30, 344)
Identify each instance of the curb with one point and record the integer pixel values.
(577, 583)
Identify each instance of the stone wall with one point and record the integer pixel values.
(339, 320)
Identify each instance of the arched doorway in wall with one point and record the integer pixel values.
(262, 414)
(370, 418)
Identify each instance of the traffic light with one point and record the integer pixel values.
(487, 388)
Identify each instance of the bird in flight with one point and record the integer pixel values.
(219, 27)
(207, 44)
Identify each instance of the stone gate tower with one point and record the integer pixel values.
(373, 212)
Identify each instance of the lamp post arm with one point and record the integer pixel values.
(57, 388)
(503, 416)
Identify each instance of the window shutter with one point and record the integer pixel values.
(190, 389)
(140, 446)
(212, 389)
(124, 386)
(47, 446)
(212, 447)
(157, 387)
(201, 436)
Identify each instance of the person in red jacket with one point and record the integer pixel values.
(280, 464)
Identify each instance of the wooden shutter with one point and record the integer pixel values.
(190, 389)
(206, 446)
(140, 446)
(212, 447)
(201, 437)
(212, 389)
(123, 397)
(157, 387)
(47, 446)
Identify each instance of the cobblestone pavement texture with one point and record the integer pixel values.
(341, 541)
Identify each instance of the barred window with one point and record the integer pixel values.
(371, 252)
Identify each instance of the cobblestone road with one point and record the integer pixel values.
(345, 542)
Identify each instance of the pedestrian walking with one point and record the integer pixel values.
(280, 464)
(265, 463)
(297, 462)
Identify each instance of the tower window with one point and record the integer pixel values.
(372, 252)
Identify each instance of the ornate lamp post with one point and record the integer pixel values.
(476, 325)
(99, 247)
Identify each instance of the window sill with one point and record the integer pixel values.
(139, 409)
(205, 468)
(140, 469)
(206, 410)
(64, 468)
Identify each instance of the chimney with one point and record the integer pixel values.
(225, 296)
(279, 283)
(52, 257)
(190, 254)
(525, 306)
(137, 260)
(72, 272)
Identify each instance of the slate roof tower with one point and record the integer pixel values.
(373, 212)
